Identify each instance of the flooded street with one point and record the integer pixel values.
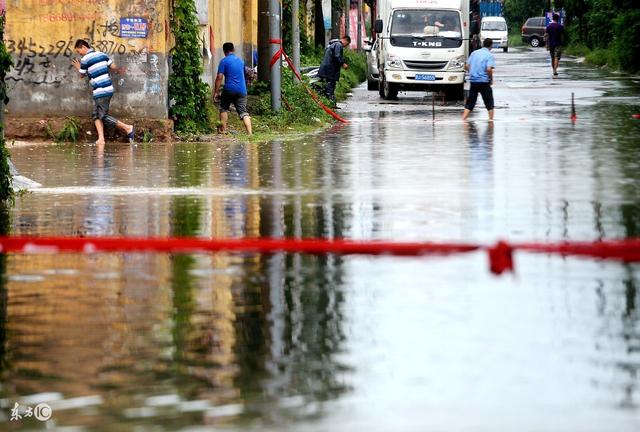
(292, 342)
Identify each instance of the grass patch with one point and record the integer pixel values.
(70, 131)
(299, 114)
(515, 39)
(603, 57)
(577, 50)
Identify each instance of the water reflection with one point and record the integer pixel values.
(302, 342)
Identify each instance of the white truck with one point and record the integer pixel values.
(423, 45)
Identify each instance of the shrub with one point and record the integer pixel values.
(70, 131)
(626, 46)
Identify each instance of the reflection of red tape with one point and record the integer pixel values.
(282, 53)
(500, 255)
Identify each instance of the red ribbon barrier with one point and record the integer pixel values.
(500, 255)
(310, 92)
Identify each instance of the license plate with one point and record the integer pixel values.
(425, 77)
(496, 45)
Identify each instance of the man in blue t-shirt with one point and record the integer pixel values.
(554, 38)
(480, 66)
(231, 68)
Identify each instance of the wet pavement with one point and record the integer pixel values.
(305, 343)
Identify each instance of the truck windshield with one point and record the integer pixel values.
(418, 22)
(494, 26)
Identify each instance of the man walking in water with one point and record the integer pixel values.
(480, 66)
(231, 68)
(554, 38)
(96, 65)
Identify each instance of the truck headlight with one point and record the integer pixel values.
(394, 62)
(457, 62)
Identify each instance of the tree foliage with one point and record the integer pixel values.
(517, 11)
(6, 192)
(188, 94)
(611, 25)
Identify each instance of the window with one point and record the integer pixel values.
(494, 26)
(426, 23)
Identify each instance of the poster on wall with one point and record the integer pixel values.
(326, 14)
(133, 28)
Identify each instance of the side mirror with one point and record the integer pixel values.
(378, 26)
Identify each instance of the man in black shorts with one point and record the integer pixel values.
(554, 38)
(480, 66)
(231, 68)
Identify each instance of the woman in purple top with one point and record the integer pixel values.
(554, 38)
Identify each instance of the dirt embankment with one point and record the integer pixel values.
(36, 129)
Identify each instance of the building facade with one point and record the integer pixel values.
(40, 36)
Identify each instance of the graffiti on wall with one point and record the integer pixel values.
(152, 83)
(41, 41)
(35, 61)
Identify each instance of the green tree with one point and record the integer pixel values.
(517, 11)
(626, 42)
(188, 94)
(5, 174)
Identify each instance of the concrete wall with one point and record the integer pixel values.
(40, 36)
(231, 21)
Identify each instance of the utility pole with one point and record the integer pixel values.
(359, 32)
(295, 26)
(264, 48)
(318, 33)
(275, 40)
(347, 18)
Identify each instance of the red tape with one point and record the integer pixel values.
(500, 255)
(310, 92)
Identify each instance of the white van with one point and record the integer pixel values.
(496, 29)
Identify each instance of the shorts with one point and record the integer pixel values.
(487, 96)
(555, 52)
(238, 100)
(101, 111)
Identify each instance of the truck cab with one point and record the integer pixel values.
(423, 46)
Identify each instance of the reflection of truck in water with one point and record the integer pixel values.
(423, 45)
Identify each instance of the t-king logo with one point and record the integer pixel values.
(427, 44)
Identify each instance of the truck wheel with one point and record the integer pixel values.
(535, 42)
(372, 84)
(505, 49)
(388, 91)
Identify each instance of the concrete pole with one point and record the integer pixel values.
(264, 47)
(275, 34)
(295, 26)
(347, 17)
(359, 32)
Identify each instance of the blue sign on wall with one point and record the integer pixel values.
(133, 28)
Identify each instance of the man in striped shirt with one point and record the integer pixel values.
(95, 65)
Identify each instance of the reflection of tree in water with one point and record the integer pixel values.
(291, 332)
(630, 315)
(618, 125)
(289, 349)
(628, 154)
(4, 230)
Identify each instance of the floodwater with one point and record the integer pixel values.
(327, 343)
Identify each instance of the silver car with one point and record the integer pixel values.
(372, 65)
